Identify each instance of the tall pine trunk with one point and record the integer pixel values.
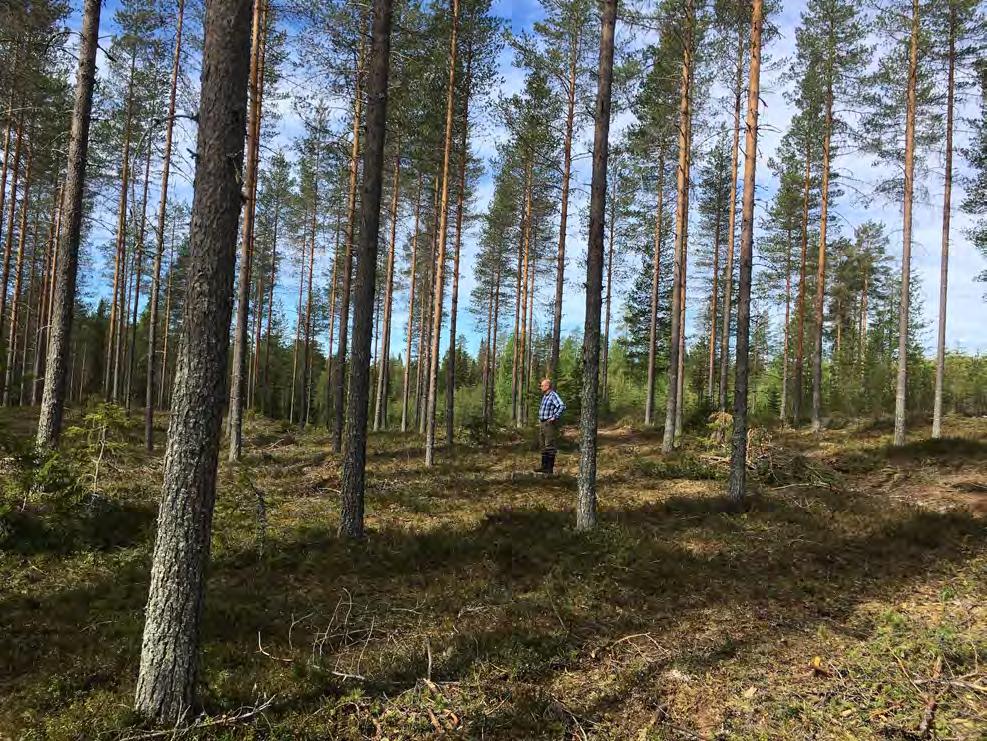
(800, 339)
(731, 228)
(431, 399)
(906, 250)
(681, 228)
(355, 452)
(63, 298)
(169, 663)
(649, 404)
(411, 309)
(738, 462)
(821, 265)
(586, 496)
(152, 326)
(383, 375)
(8, 376)
(246, 240)
(339, 378)
(946, 200)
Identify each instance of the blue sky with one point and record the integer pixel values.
(966, 329)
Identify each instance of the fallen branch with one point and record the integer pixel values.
(238, 716)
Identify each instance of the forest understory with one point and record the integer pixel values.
(847, 601)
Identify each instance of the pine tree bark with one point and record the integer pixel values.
(731, 228)
(48, 285)
(906, 251)
(139, 260)
(570, 119)
(946, 201)
(783, 414)
(411, 310)
(821, 265)
(605, 373)
(380, 408)
(454, 298)
(169, 665)
(313, 231)
(355, 451)
(713, 296)
(649, 404)
(115, 335)
(432, 396)
(152, 327)
(11, 218)
(800, 339)
(681, 228)
(8, 377)
(586, 497)
(246, 239)
(339, 378)
(738, 463)
(63, 301)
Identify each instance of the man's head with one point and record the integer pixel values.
(546, 385)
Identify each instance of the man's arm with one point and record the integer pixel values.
(559, 407)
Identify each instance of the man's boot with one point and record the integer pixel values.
(549, 464)
(544, 464)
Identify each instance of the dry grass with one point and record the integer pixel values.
(846, 602)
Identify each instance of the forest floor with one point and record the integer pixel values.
(848, 601)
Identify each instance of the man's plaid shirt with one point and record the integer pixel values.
(551, 407)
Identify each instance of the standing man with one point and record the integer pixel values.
(549, 413)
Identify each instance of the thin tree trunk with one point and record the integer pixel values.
(731, 227)
(946, 201)
(454, 299)
(355, 452)
(298, 328)
(380, 410)
(821, 267)
(11, 218)
(605, 374)
(713, 296)
(437, 300)
(63, 305)
(649, 404)
(167, 682)
(800, 340)
(411, 309)
(306, 369)
(249, 195)
(331, 339)
(906, 251)
(570, 119)
(116, 308)
(152, 326)
(681, 227)
(586, 496)
(139, 259)
(270, 299)
(32, 302)
(4, 169)
(8, 378)
(166, 323)
(48, 285)
(344, 312)
(738, 462)
(788, 313)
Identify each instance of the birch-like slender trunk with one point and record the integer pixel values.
(649, 404)
(411, 310)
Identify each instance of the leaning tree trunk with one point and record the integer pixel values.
(586, 497)
(355, 450)
(681, 226)
(169, 664)
(431, 399)
(60, 333)
(906, 251)
(738, 462)
(152, 325)
(944, 264)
